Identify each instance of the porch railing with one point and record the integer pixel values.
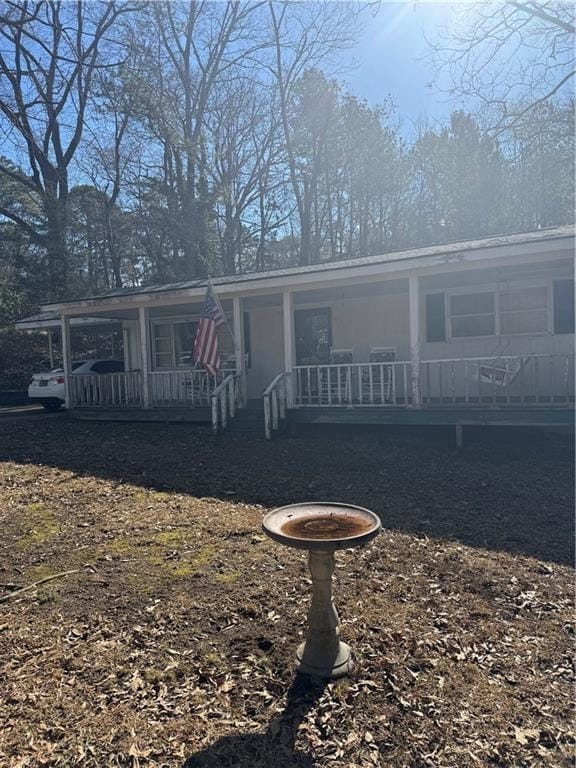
(181, 388)
(534, 379)
(508, 380)
(275, 403)
(354, 384)
(111, 390)
(225, 398)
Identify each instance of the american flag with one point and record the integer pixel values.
(206, 341)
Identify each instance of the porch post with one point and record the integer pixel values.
(50, 348)
(288, 325)
(239, 344)
(143, 322)
(414, 303)
(66, 358)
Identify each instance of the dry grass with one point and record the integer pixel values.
(175, 640)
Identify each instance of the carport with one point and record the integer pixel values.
(51, 324)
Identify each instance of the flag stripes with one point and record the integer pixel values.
(206, 342)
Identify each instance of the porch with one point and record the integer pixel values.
(469, 331)
(531, 390)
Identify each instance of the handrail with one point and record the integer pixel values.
(273, 383)
(354, 365)
(275, 403)
(486, 358)
(225, 395)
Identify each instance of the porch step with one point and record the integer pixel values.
(248, 421)
(165, 415)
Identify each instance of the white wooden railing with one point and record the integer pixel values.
(507, 380)
(110, 390)
(354, 384)
(181, 388)
(224, 401)
(275, 403)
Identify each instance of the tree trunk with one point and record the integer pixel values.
(56, 248)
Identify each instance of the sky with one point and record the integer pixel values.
(388, 59)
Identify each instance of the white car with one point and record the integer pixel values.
(48, 388)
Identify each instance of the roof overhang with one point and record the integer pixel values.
(46, 320)
(510, 249)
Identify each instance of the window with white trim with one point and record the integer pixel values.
(524, 310)
(172, 344)
(506, 312)
(472, 314)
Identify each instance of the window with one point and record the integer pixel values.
(507, 312)
(162, 345)
(524, 310)
(184, 335)
(472, 314)
(173, 344)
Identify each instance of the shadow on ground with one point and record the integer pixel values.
(275, 747)
(508, 490)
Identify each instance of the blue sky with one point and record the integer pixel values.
(388, 59)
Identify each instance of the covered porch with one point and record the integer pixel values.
(467, 332)
(464, 341)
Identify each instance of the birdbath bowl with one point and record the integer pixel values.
(322, 528)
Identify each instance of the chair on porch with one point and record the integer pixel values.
(335, 383)
(377, 379)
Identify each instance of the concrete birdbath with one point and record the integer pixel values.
(322, 528)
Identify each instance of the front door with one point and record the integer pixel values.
(313, 330)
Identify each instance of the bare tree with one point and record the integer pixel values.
(201, 42)
(509, 57)
(303, 38)
(50, 54)
(244, 147)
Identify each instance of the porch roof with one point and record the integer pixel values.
(52, 319)
(280, 278)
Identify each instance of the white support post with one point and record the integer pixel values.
(126, 347)
(414, 303)
(66, 358)
(288, 325)
(143, 322)
(238, 326)
(50, 348)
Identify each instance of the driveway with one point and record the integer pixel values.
(14, 412)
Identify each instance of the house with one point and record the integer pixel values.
(481, 330)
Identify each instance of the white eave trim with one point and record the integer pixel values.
(33, 325)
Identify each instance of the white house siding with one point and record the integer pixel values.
(377, 321)
(266, 348)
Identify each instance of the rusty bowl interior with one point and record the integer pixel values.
(321, 525)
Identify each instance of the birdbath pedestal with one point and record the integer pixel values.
(322, 528)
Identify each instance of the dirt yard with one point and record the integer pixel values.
(171, 639)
